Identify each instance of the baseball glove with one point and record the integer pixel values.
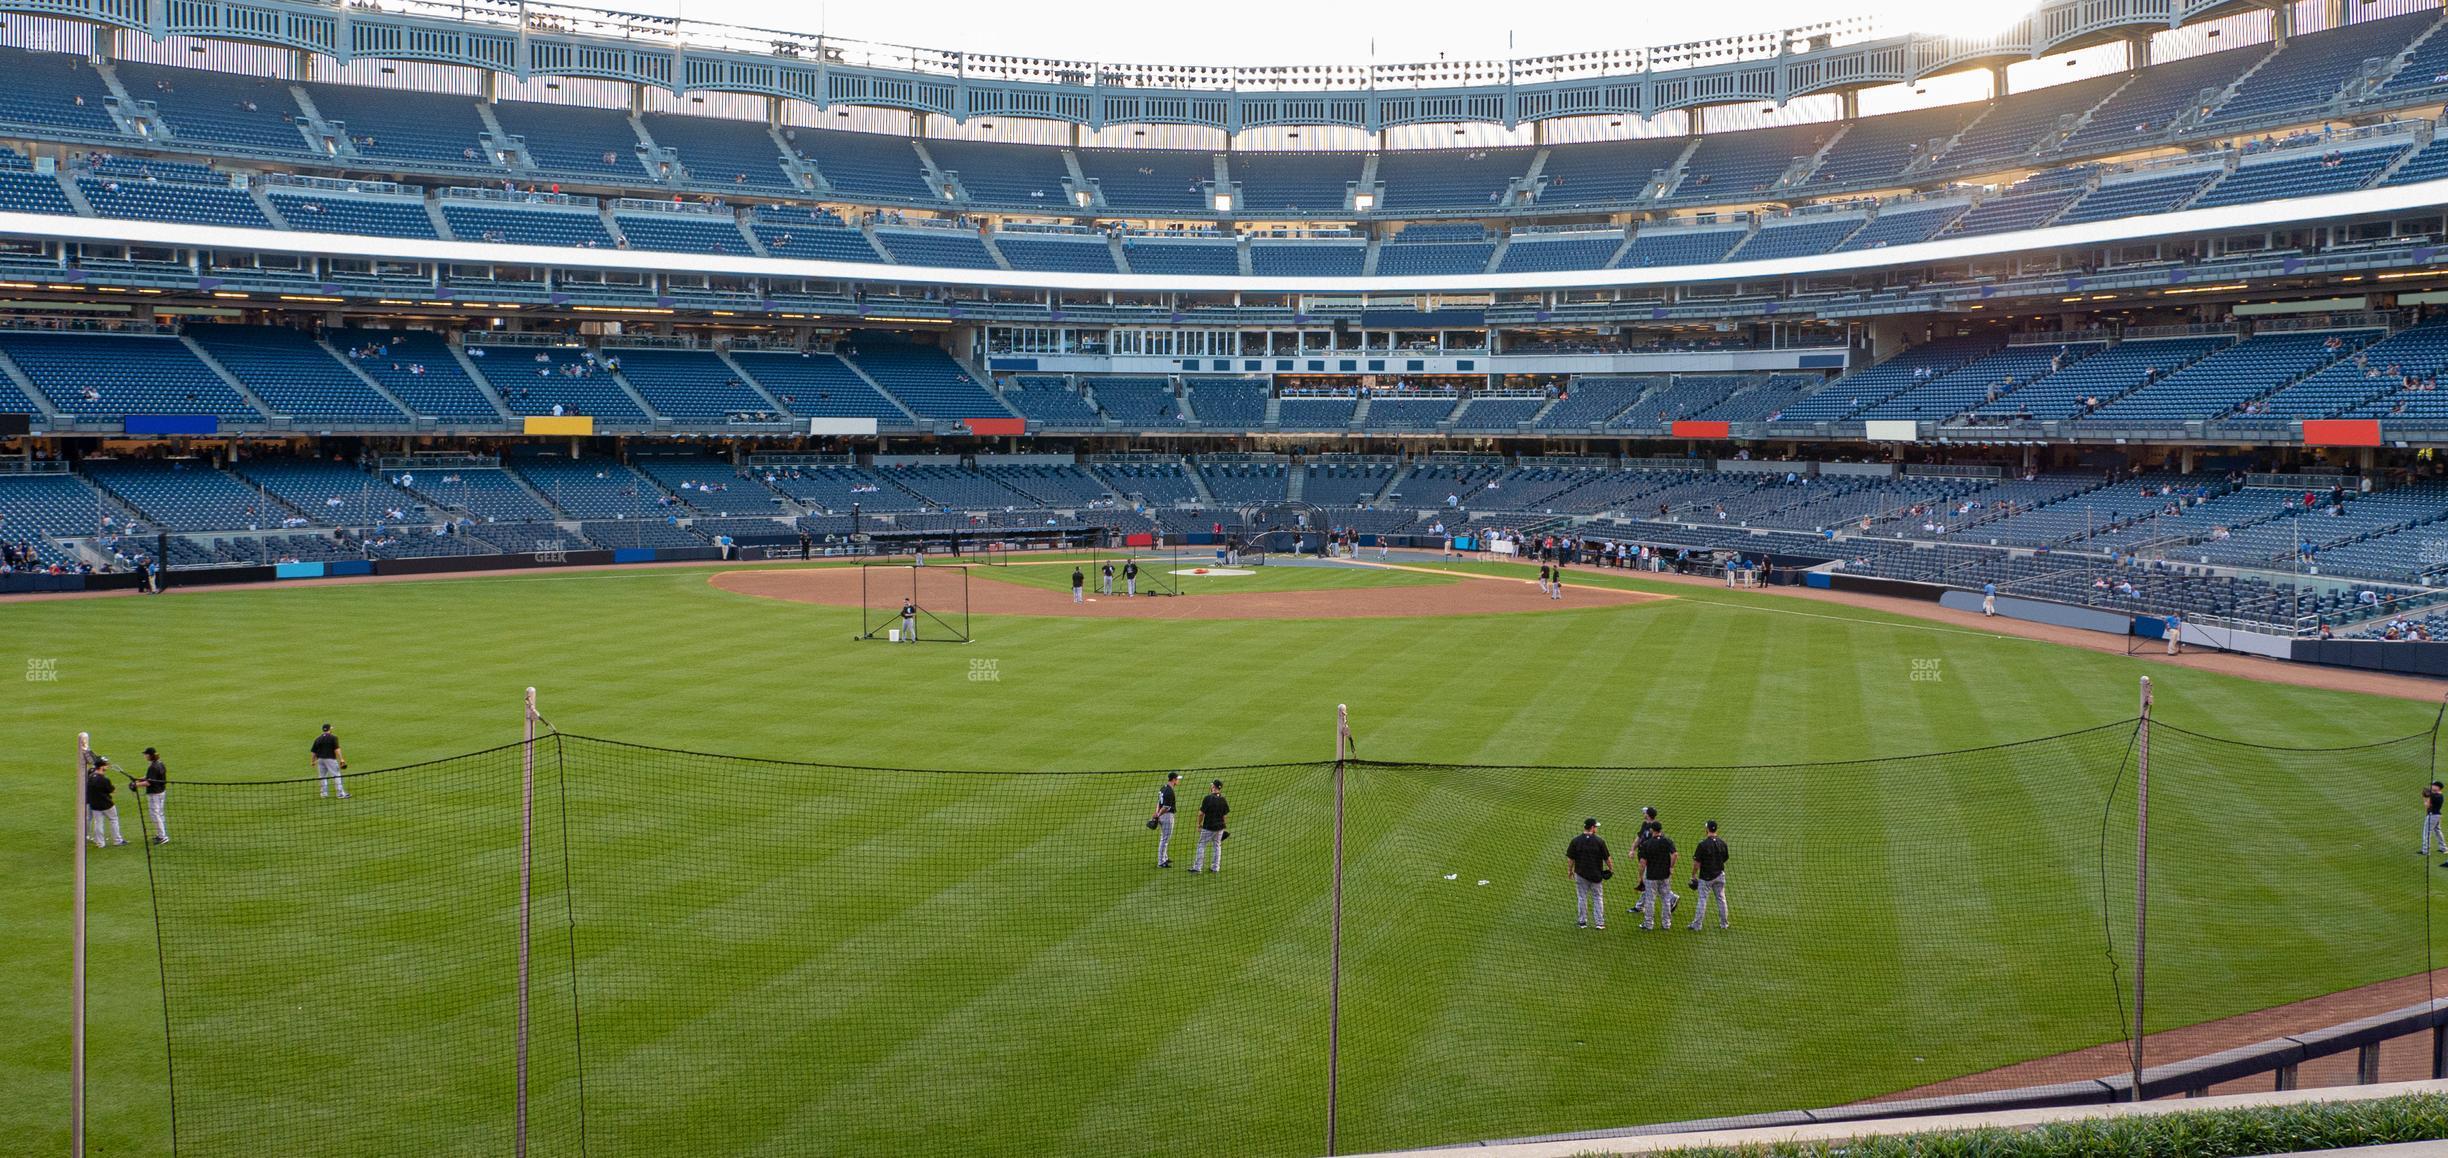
(1606, 874)
(1151, 822)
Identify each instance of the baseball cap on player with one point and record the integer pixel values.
(151, 752)
(1216, 783)
(1592, 822)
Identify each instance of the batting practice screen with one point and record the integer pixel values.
(757, 956)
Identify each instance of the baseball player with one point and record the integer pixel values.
(1589, 864)
(1657, 857)
(1162, 822)
(1544, 581)
(1708, 880)
(156, 790)
(1649, 824)
(1079, 586)
(909, 621)
(329, 763)
(2432, 795)
(1212, 812)
(101, 810)
(1105, 586)
(1130, 587)
(1555, 589)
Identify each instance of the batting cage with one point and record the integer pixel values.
(595, 947)
(914, 602)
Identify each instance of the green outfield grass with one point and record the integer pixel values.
(874, 964)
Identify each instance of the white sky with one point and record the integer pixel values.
(1308, 32)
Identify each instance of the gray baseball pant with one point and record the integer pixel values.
(1164, 838)
(1715, 888)
(1658, 901)
(1589, 900)
(2431, 832)
(1208, 838)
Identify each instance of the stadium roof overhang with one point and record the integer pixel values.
(2428, 196)
(550, 40)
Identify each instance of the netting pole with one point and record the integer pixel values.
(2141, 875)
(76, 967)
(1334, 961)
(526, 882)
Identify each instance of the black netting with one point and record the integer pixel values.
(794, 958)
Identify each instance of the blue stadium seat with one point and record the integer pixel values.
(865, 164)
(123, 374)
(2020, 122)
(536, 381)
(189, 495)
(317, 211)
(587, 143)
(55, 93)
(1136, 402)
(1800, 237)
(2153, 193)
(26, 192)
(1056, 252)
(1220, 257)
(576, 228)
(1151, 180)
(814, 235)
(688, 385)
(716, 151)
(2141, 112)
(1449, 179)
(1435, 249)
(219, 110)
(818, 385)
(2105, 375)
(1228, 403)
(1307, 258)
(1296, 182)
(1547, 253)
(2313, 67)
(994, 173)
(1902, 225)
(292, 374)
(716, 233)
(924, 378)
(2250, 368)
(948, 248)
(403, 125)
(1876, 149)
(1742, 165)
(1652, 247)
(417, 367)
(595, 488)
(1605, 172)
(140, 200)
(332, 493)
(2300, 173)
(1050, 401)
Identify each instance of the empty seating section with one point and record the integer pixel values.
(1050, 484)
(104, 375)
(188, 495)
(488, 493)
(954, 487)
(1848, 396)
(1155, 483)
(1877, 149)
(402, 125)
(1055, 252)
(1605, 173)
(1982, 380)
(1540, 253)
(24, 192)
(1734, 166)
(2425, 69)
(538, 225)
(1901, 225)
(818, 385)
(1316, 182)
(417, 367)
(1307, 258)
(1049, 401)
(926, 380)
(1229, 403)
(1218, 258)
(1681, 396)
(2246, 370)
(1807, 237)
(2361, 377)
(1463, 179)
(2420, 352)
(865, 164)
(1656, 247)
(707, 233)
(594, 488)
(218, 109)
(57, 92)
(1435, 249)
(2019, 122)
(2142, 110)
(992, 173)
(1316, 413)
(1157, 181)
(1236, 483)
(2299, 174)
(140, 200)
(838, 488)
(2015, 208)
(1345, 484)
(292, 374)
(817, 237)
(2314, 66)
(562, 380)
(319, 212)
(2114, 371)
(740, 154)
(1504, 413)
(1394, 412)
(2129, 198)
(1136, 402)
(1765, 401)
(332, 493)
(582, 142)
(35, 508)
(1591, 402)
(951, 248)
(688, 385)
(2429, 163)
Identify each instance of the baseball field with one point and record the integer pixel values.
(782, 959)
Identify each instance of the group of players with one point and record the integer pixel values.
(1590, 864)
(101, 793)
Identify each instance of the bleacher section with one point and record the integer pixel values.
(1668, 246)
(2143, 110)
(796, 232)
(217, 109)
(1449, 179)
(1156, 483)
(1312, 182)
(55, 92)
(1056, 252)
(1317, 413)
(1806, 237)
(527, 225)
(594, 144)
(2122, 367)
(111, 376)
(2248, 369)
(1435, 249)
(1591, 402)
(740, 154)
(188, 495)
(1546, 253)
(1307, 258)
(1214, 258)
(1228, 403)
(1153, 181)
(925, 379)
(864, 164)
(1983, 380)
(136, 199)
(1050, 402)
(714, 234)
(332, 493)
(2020, 122)
(952, 248)
(324, 212)
(1848, 397)
(2314, 66)
(689, 385)
(992, 173)
(1877, 149)
(416, 366)
(2300, 173)
(433, 129)
(486, 493)
(293, 375)
(1737, 166)
(1138, 403)
(818, 386)
(562, 380)
(1902, 225)
(1245, 483)
(595, 488)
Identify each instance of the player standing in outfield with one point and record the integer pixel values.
(1555, 590)
(100, 808)
(1130, 578)
(1543, 579)
(1079, 586)
(1162, 822)
(1212, 812)
(2432, 796)
(1589, 865)
(329, 763)
(1988, 598)
(909, 621)
(1105, 581)
(1649, 824)
(1657, 857)
(1708, 880)
(156, 789)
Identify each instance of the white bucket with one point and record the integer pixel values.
(892, 635)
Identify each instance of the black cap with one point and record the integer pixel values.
(151, 752)
(1712, 826)
(1217, 783)
(1592, 822)
(1172, 776)
(327, 727)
